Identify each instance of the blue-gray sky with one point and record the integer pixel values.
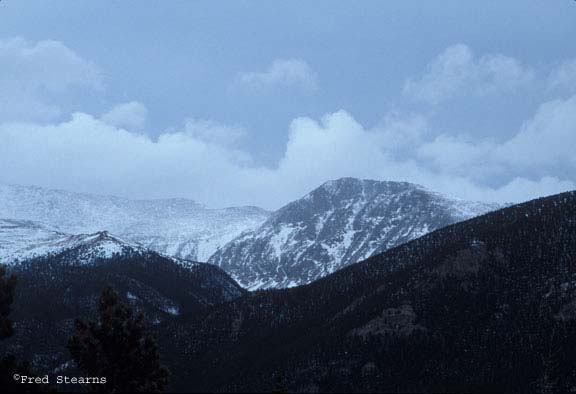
(257, 102)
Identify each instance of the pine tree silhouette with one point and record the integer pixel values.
(280, 386)
(119, 348)
(7, 286)
(10, 367)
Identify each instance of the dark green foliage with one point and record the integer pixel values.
(9, 365)
(487, 305)
(7, 286)
(150, 283)
(280, 386)
(119, 348)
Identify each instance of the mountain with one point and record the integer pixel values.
(485, 305)
(24, 240)
(175, 227)
(57, 288)
(340, 223)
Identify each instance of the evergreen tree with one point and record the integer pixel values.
(280, 385)
(119, 348)
(10, 367)
(7, 286)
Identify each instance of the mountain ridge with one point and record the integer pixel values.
(339, 223)
(178, 227)
(465, 308)
(472, 307)
(55, 289)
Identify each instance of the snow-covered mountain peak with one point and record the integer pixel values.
(334, 185)
(345, 188)
(339, 223)
(101, 245)
(23, 240)
(176, 227)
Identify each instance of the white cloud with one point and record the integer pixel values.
(213, 132)
(34, 74)
(282, 73)
(520, 189)
(546, 141)
(200, 162)
(457, 71)
(339, 146)
(543, 147)
(87, 154)
(131, 116)
(563, 77)
(458, 155)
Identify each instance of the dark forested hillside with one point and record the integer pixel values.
(52, 291)
(486, 305)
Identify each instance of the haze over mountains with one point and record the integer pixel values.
(291, 197)
(339, 223)
(429, 306)
(487, 304)
(24, 240)
(175, 227)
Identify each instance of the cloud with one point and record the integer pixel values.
(544, 144)
(563, 77)
(459, 155)
(457, 71)
(200, 161)
(542, 147)
(131, 116)
(213, 132)
(282, 73)
(546, 141)
(339, 146)
(89, 155)
(34, 75)
(520, 189)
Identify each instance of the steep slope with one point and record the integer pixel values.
(24, 240)
(337, 224)
(486, 305)
(53, 290)
(176, 227)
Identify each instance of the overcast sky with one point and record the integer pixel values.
(258, 102)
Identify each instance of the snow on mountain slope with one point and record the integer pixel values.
(24, 240)
(339, 223)
(175, 227)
